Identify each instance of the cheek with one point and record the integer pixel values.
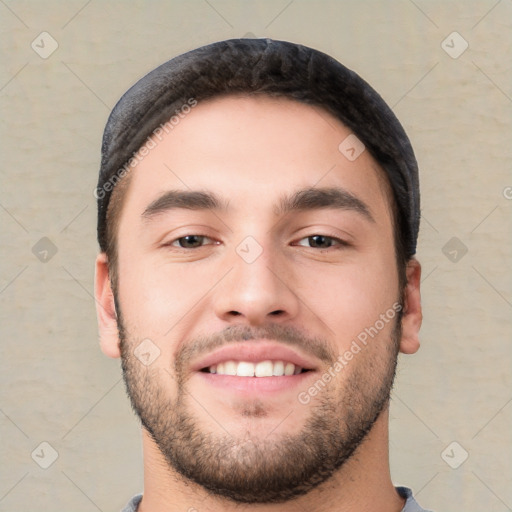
(156, 296)
(350, 298)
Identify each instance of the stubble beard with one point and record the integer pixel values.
(274, 469)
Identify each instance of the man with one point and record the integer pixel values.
(258, 216)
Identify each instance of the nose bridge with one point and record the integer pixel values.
(257, 285)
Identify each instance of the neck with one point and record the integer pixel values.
(362, 484)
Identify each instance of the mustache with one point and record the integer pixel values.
(287, 335)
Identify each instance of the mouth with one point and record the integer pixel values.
(267, 368)
(257, 366)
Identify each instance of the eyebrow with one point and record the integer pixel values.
(301, 200)
(318, 198)
(184, 199)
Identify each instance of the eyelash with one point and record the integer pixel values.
(338, 242)
(171, 244)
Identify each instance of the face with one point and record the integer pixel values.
(253, 258)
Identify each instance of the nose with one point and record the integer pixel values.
(256, 292)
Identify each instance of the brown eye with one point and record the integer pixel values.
(190, 241)
(321, 242)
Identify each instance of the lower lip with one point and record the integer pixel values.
(255, 384)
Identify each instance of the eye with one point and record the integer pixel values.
(190, 241)
(322, 242)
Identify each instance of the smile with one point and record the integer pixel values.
(255, 369)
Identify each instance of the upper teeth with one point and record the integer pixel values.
(261, 369)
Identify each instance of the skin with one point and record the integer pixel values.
(251, 151)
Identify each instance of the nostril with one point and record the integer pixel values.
(277, 312)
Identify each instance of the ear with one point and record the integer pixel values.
(412, 315)
(106, 309)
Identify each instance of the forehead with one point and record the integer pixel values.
(251, 148)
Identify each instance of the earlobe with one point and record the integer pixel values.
(106, 309)
(412, 315)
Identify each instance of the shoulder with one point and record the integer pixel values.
(133, 504)
(411, 505)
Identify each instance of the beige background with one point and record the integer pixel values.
(56, 385)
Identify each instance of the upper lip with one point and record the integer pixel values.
(254, 351)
